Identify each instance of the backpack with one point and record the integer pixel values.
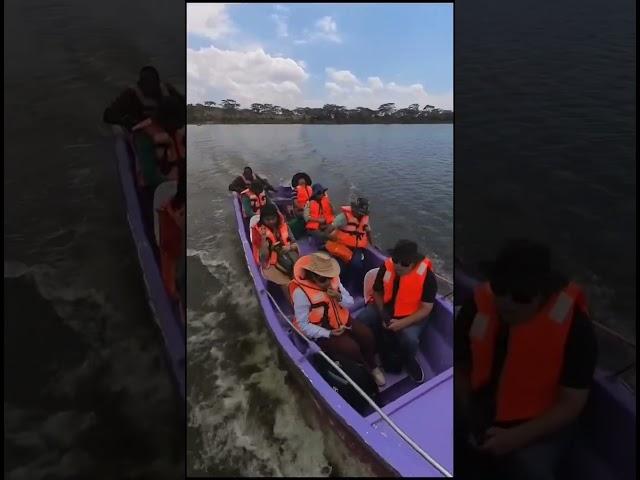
(390, 353)
(358, 373)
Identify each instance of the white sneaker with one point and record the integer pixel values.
(378, 376)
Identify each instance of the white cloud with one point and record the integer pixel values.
(210, 20)
(282, 29)
(328, 29)
(325, 29)
(247, 76)
(344, 88)
(342, 77)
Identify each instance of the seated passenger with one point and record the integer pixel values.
(351, 237)
(404, 292)
(172, 226)
(303, 191)
(318, 213)
(141, 100)
(253, 199)
(242, 182)
(525, 356)
(274, 248)
(320, 304)
(160, 143)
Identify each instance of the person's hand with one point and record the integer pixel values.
(323, 221)
(338, 331)
(294, 246)
(395, 325)
(286, 248)
(334, 294)
(500, 441)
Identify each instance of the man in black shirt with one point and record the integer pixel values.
(401, 319)
(524, 290)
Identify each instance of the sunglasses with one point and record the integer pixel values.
(403, 263)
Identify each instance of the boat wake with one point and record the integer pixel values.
(87, 368)
(246, 416)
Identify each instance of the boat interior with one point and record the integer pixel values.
(436, 344)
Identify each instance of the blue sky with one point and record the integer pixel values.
(311, 54)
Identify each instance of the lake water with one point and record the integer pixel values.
(87, 390)
(245, 416)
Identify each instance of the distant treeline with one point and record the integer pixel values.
(229, 111)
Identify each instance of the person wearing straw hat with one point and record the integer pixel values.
(525, 357)
(404, 292)
(320, 304)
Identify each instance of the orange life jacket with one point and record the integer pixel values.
(303, 195)
(353, 234)
(324, 310)
(257, 201)
(149, 105)
(409, 297)
(171, 146)
(171, 226)
(272, 239)
(319, 209)
(529, 380)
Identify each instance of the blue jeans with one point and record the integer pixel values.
(408, 338)
(356, 272)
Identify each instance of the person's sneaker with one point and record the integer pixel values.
(415, 370)
(378, 376)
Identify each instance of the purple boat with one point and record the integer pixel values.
(165, 311)
(409, 431)
(605, 448)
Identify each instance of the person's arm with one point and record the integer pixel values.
(462, 360)
(346, 300)
(125, 110)
(237, 185)
(246, 206)
(378, 292)
(340, 220)
(174, 92)
(301, 307)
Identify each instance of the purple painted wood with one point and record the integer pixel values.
(424, 411)
(164, 310)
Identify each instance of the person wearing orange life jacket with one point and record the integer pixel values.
(320, 304)
(171, 226)
(351, 237)
(525, 359)
(253, 199)
(404, 292)
(318, 213)
(164, 134)
(302, 184)
(274, 248)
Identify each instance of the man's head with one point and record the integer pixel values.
(256, 187)
(247, 172)
(269, 215)
(360, 207)
(317, 191)
(405, 256)
(302, 182)
(149, 81)
(170, 114)
(518, 279)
